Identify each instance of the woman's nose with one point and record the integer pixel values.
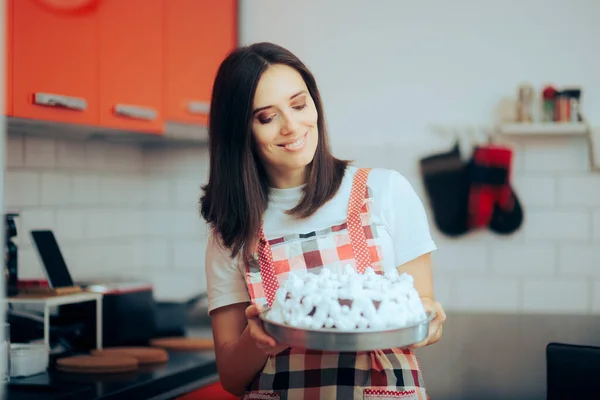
(289, 125)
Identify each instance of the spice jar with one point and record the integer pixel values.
(525, 104)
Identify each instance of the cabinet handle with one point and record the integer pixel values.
(57, 100)
(136, 112)
(198, 107)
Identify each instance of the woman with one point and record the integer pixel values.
(278, 200)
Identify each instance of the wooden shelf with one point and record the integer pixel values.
(542, 129)
(557, 130)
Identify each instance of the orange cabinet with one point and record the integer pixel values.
(54, 64)
(131, 64)
(8, 61)
(198, 36)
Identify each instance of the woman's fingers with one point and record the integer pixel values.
(256, 328)
(435, 326)
(258, 333)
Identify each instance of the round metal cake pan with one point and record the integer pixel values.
(355, 340)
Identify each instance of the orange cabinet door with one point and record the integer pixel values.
(198, 36)
(55, 64)
(131, 34)
(8, 41)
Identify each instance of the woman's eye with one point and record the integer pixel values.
(300, 107)
(265, 120)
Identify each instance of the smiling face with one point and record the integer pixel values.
(284, 125)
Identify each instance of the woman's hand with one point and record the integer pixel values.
(263, 341)
(435, 326)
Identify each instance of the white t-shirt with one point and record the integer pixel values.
(396, 210)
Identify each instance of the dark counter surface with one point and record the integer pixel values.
(184, 372)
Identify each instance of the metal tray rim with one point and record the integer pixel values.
(263, 316)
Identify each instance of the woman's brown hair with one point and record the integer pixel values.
(236, 195)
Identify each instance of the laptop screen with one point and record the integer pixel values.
(52, 259)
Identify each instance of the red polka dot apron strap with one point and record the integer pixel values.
(267, 271)
(356, 230)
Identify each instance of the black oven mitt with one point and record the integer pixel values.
(446, 182)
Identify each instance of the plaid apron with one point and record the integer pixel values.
(309, 374)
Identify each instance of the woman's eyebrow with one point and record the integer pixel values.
(291, 98)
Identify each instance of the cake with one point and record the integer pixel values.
(346, 300)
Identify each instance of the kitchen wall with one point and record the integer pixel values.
(118, 210)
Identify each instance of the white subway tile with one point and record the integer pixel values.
(475, 238)
(95, 154)
(153, 254)
(190, 161)
(126, 223)
(15, 150)
(121, 258)
(188, 192)
(579, 260)
(378, 155)
(104, 261)
(582, 190)
(156, 161)
(33, 219)
(555, 296)
(173, 223)
(125, 189)
(87, 262)
(461, 259)
(40, 152)
(113, 223)
(29, 264)
(518, 163)
(70, 154)
(99, 224)
(55, 189)
(596, 297)
(535, 190)
(157, 222)
(486, 294)
(157, 190)
(186, 223)
(188, 254)
(70, 225)
(596, 225)
(557, 225)
(178, 286)
(442, 285)
(21, 189)
(557, 155)
(523, 260)
(86, 189)
(123, 157)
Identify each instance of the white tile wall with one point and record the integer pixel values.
(117, 210)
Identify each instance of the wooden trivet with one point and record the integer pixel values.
(96, 365)
(144, 355)
(183, 343)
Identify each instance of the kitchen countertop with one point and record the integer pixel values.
(183, 373)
